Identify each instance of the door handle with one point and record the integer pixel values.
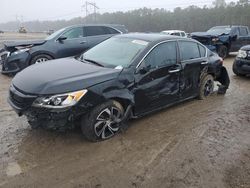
(83, 42)
(204, 62)
(173, 71)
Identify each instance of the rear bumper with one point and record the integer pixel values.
(15, 63)
(242, 65)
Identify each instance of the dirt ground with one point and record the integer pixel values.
(197, 144)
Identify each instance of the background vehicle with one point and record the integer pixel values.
(66, 42)
(175, 32)
(241, 64)
(1, 31)
(224, 39)
(126, 76)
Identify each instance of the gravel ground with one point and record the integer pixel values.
(194, 144)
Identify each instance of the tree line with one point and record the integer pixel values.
(192, 18)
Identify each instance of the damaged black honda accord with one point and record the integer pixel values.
(126, 76)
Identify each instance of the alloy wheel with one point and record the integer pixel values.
(107, 122)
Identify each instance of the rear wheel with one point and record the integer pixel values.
(40, 59)
(103, 122)
(206, 86)
(222, 51)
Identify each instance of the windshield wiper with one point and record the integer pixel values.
(93, 62)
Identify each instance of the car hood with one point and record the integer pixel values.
(206, 34)
(61, 76)
(14, 45)
(202, 34)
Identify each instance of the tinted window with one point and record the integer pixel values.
(243, 31)
(163, 54)
(74, 33)
(95, 30)
(176, 34)
(183, 34)
(202, 51)
(111, 30)
(188, 50)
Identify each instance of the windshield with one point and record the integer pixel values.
(219, 30)
(53, 35)
(115, 52)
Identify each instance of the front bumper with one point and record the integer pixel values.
(242, 65)
(50, 118)
(14, 63)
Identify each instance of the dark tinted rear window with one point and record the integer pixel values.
(95, 30)
(243, 31)
(189, 50)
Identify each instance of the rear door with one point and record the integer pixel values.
(193, 61)
(74, 44)
(159, 84)
(97, 34)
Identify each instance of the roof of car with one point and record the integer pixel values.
(151, 37)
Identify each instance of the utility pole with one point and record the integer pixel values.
(86, 6)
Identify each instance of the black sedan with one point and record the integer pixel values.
(126, 76)
(241, 64)
(69, 41)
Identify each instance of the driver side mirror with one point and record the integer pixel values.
(62, 38)
(144, 69)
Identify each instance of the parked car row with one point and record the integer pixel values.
(104, 78)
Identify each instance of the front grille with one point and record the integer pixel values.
(19, 99)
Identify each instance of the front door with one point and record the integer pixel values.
(157, 78)
(74, 44)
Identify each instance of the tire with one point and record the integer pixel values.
(40, 59)
(222, 51)
(206, 86)
(103, 122)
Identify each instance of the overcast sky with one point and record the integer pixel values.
(28, 10)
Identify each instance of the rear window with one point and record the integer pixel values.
(95, 30)
(243, 31)
(189, 50)
(202, 50)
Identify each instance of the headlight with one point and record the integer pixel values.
(242, 54)
(20, 51)
(215, 39)
(60, 101)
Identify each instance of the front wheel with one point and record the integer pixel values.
(206, 86)
(40, 59)
(103, 122)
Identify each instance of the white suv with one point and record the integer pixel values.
(175, 32)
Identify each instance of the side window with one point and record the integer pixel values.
(110, 30)
(243, 31)
(74, 33)
(163, 54)
(202, 51)
(189, 50)
(176, 34)
(94, 30)
(183, 34)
